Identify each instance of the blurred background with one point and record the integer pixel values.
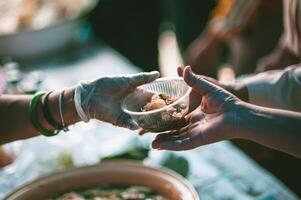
(50, 44)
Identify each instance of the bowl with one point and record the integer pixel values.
(162, 181)
(164, 118)
(35, 43)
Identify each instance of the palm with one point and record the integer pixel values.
(212, 121)
(106, 106)
(102, 98)
(208, 129)
(202, 128)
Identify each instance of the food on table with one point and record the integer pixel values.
(113, 193)
(16, 15)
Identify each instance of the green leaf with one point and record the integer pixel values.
(177, 163)
(136, 153)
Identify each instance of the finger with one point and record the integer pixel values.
(125, 120)
(165, 136)
(180, 131)
(175, 144)
(180, 71)
(142, 131)
(194, 101)
(173, 134)
(143, 78)
(179, 124)
(131, 124)
(199, 84)
(198, 117)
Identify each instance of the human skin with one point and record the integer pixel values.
(15, 120)
(221, 116)
(101, 100)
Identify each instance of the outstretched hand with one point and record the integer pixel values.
(101, 99)
(213, 120)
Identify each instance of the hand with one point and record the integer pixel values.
(202, 53)
(278, 59)
(237, 88)
(195, 99)
(214, 120)
(101, 99)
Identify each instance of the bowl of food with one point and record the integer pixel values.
(159, 105)
(110, 180)
(30, 29)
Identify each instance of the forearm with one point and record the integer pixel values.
(15, 115)
(278, 129)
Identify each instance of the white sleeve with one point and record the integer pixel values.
(276, 89)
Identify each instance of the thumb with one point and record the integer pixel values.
(180, 71)
(124, 120)
(143, 78)
(198, 84)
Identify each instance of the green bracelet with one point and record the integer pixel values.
(35, 118)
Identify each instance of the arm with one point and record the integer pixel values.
(278, 129)
(279, 58)
(228, 20)
(221, 116)
(99, 99)
(14, 115)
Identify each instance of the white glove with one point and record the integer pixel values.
(101, 99)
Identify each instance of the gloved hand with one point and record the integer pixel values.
(101, 99)
(214, 120)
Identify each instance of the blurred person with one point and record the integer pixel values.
(284, 94)
(26, 116)
(288, 50)
(242, 26)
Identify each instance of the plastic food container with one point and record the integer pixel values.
(161, 119)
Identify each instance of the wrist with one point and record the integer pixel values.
(250, 120)
(69, 112)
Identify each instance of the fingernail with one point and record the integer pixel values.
(133, 125)
(156, 145)
(189, 76)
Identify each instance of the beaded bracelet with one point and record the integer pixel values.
(35, 118)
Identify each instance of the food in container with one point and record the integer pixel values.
(116, 173)
(159, 105)
(112, 193)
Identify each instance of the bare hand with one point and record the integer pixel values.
(214, 120)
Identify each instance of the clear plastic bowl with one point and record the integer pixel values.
(162, 119)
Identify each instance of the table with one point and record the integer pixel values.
(218, 171)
